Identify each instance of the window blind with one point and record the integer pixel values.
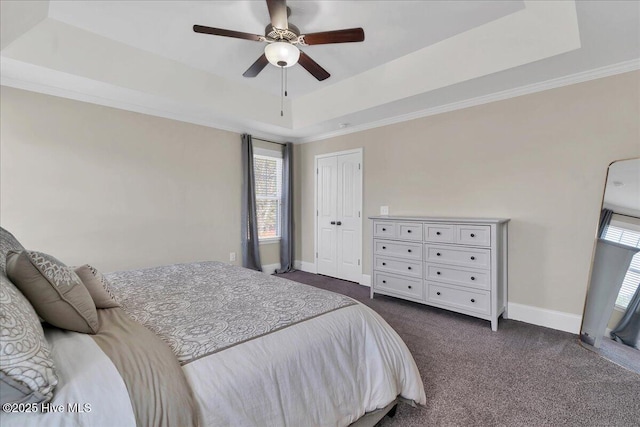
(268, 184)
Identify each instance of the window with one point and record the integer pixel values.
(267, 167)
(625, 233)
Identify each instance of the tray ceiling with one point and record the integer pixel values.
(143, 56)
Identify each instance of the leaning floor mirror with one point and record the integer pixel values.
(611, 320)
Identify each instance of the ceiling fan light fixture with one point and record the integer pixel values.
(282, 54)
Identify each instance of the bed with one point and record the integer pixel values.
(217, 345)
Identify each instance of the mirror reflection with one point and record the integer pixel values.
(611, 321)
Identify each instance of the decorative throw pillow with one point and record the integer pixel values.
(7, 243)
(97, 286)
(26, 368)
(54, 290)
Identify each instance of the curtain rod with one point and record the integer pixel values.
(272, 142)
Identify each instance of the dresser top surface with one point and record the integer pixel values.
(440, 219)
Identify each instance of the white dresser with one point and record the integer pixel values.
(459, 264)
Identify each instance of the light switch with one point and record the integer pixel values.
(384, 210)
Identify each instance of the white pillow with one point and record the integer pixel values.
(27, 373)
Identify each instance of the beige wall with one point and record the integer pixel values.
(92, 184)
(540, 160)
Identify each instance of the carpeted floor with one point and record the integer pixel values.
(621, 354)
(521, 375)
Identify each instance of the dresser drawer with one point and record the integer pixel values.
(400, 266)
(479, 235)
(384, 229)
(403, 286)
(478, 258)
(412, 251)
(461, 299)
(459, 276)
(410, 231)
(443, 233)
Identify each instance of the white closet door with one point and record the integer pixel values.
(327, 200)
(348, 230)
(339, 223)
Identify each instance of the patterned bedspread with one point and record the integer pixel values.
(202, 308)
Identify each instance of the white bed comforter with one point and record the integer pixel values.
(345, 363)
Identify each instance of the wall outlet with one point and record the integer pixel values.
(384, 210)
(232, 256)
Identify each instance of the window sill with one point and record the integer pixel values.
(269, 241)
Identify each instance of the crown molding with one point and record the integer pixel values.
(610, 70)
(120, 104)
(584, 76)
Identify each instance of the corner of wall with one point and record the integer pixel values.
(559, 320)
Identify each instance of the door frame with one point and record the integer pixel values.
(359, 151)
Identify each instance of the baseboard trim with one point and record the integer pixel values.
(270, 268)
(308, 267)
(366, 280)
(553, 319)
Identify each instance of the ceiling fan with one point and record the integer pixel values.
(283, 40)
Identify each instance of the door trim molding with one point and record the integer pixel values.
(359, 151)
(339, 153)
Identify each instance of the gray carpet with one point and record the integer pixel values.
(521, 375)
(624, 355)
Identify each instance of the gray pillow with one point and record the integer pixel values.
(7, 243)
(97, 286)
(27, 373)
(54, 290)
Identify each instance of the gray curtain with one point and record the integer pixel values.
(286, 219)
(249, 223)
(605, 220)
(628, 330)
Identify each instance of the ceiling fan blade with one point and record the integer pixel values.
(226, 33)
(338, 36)
(257, 66)
(313, 67)
(278, 13)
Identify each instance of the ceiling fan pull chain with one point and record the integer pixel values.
(285, 81)
(281, 91)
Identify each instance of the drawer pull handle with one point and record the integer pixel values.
(384, 229)
(437, 233)
(384, 263)
(408, 231)
(384, 281)
(437, 293)
(473, 258)
(473, 278)
(333, 223)
(472, 300)
(438, 273)
(384, 247)
(438, 254)
(473, 235)
(409, 268)
(409, 250)
(409, 286)
(339, 223)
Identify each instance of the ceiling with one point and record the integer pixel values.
(418, 58)
(623, 185)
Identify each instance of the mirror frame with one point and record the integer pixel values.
(593, 250)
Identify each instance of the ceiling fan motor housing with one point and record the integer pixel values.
(291, 34)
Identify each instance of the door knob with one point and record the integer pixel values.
(339, 223)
